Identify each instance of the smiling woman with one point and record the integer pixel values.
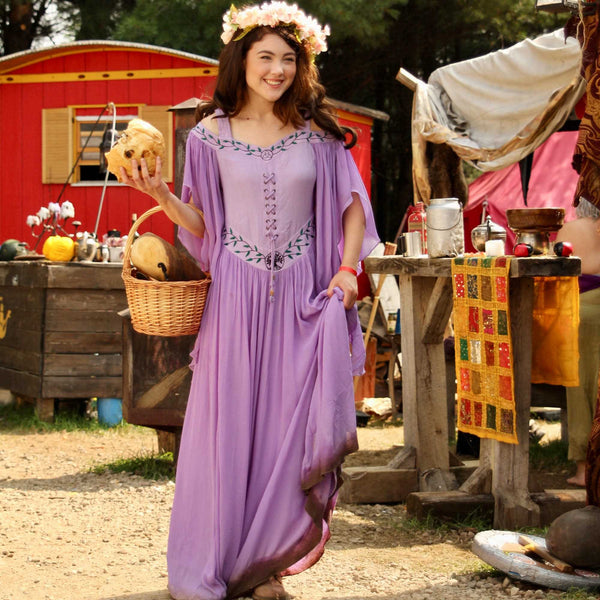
(286, 221)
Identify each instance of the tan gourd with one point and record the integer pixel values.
(160, 260)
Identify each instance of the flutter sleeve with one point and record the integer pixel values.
(338, 179)
(202, 186)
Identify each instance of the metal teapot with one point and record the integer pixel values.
(487, 230)
(86, 246)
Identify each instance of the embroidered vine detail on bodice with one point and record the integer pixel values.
(264, 153)
(276, 259)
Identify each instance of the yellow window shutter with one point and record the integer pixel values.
(163, 121)
(56, 144)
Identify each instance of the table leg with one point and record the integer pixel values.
(510, 462)
(44, 409)
(423, 379)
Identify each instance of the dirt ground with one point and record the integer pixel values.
(69, 534)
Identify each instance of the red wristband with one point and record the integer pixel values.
(349, 270)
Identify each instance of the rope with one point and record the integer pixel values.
(82, 150)
(112, 141)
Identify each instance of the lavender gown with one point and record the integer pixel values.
(271, 412)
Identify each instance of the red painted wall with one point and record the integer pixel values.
(21, 190)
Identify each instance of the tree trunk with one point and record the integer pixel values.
(18, 34)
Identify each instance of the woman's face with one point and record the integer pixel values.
(270, 68)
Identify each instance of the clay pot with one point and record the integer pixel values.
(573, 537)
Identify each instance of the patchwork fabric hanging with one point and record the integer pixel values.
(484, 356)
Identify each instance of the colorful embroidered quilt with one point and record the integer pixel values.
(484, 358)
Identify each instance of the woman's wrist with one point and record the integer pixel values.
(349, 270)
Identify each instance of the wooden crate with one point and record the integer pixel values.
(60, 332)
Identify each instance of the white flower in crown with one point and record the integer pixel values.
(271, 14)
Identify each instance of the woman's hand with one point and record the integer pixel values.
(142, 181)
(181, 214)
(348, 284)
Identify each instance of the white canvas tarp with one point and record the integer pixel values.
(496, 109)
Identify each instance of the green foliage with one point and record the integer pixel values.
(577, 594)
(549, 457)
(476, 520)
(148, 466)
(22, 419)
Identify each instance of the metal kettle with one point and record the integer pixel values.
(487, 230)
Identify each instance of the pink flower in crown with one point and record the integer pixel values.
(249, 17)
(271, 14)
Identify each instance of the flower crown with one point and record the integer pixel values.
(307, 29)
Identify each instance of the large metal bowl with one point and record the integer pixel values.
(535, 219)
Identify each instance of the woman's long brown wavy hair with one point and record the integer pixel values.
(304, 99)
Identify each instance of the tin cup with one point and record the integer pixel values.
(412, 243)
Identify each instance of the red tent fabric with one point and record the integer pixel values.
(552, 183)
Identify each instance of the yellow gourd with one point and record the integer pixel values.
(59, 248)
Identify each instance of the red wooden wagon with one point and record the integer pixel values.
(50, 102)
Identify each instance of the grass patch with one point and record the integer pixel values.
(22, 419)
(148, 466)
(477, 520)
(578, 594)
(549, 457)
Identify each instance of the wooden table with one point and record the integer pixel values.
(426, 301)
(60, 332)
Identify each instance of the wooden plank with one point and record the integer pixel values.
(545, 267)
(365, 384)
(44, 409)
(163, 389)
(408, 79)
(438, 311)
(26, 341)
(100, 276)
(82, 320)
(423, 379)
(404, 265)
(67, 342)
(455, 504)
(379, 485)
(86, 299)
(556, 6)
(146, 360)
(149, 417)
(81, 387)
(20, 382)
(532, 266)
(448, 505)
(510, 462)
(20, 360)
(24, 274)
(75, 365)
(554, 503)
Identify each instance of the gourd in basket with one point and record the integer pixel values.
(169, 299)
(156, 258)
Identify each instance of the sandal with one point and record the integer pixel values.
(272, 589)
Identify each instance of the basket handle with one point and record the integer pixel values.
(134, 227)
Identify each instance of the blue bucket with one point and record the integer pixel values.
(110, 411)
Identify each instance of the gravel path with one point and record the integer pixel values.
(68, 534)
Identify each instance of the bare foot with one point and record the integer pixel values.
(579, 477)
(270, 590)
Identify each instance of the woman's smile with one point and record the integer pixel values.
(270, 68)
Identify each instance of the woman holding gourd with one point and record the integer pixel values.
(274, 207)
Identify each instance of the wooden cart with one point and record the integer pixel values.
(60, 333)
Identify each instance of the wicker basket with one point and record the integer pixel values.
(164, 308)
